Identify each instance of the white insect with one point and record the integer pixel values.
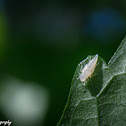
(88, 69)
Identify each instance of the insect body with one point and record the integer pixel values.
(89, 68)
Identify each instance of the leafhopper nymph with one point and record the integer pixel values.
(88, 69)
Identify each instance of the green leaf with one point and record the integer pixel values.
(102, 100)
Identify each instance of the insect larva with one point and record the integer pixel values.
(89, 68)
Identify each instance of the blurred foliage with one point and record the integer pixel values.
(2, 34)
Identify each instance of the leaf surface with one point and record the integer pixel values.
(101, 99)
